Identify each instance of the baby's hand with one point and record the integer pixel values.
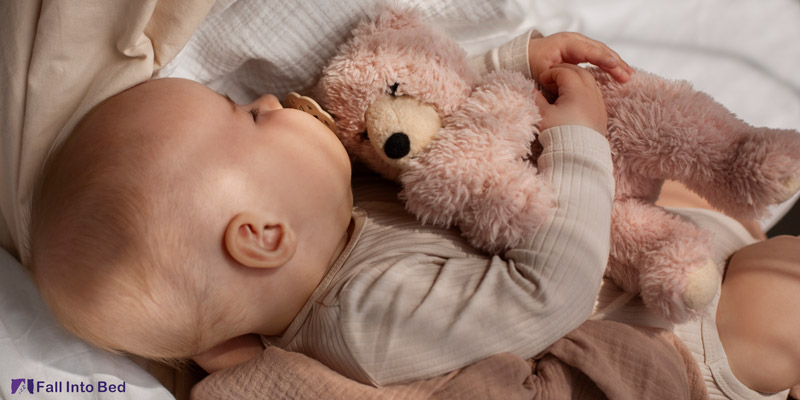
(574, 48)
(229, 353)
(579, 101)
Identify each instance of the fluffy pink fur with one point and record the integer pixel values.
(477, 173)
(661, 129)
(395, 48)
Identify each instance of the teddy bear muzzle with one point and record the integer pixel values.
(399, 127)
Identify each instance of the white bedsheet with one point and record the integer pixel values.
(33, 346)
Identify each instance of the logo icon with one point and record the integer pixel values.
(21, 386)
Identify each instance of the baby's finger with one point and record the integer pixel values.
(585, 50)
(581, 72)
(599, 54)
(564, 77)
(616, 55)
(619, 74)
(607, 61)
(541, 101)
(622, 72)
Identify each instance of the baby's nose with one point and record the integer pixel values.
(266, 102)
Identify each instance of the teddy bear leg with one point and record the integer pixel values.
(760, 169)
(664, 258)
(665, 129)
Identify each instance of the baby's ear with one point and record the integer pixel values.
(259, 242)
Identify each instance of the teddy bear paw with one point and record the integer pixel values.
(791, 185)
(701, 287)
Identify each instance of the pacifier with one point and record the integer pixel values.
(309, 106)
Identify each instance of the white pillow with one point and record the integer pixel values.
(37, 355)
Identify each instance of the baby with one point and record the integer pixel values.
(173, 220)
(173, 223)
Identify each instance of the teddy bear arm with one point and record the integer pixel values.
(509, 209)
(477, 174)
(503, 107)
(434, 191)
(496, 201)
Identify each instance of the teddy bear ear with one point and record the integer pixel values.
(397, 17)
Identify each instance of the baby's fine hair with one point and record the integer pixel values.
(109, 254)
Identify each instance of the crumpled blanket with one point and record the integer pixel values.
(599, 359)
(60, 59)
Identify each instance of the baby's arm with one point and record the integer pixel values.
(428, 314)
(532, 54)
(229, 353)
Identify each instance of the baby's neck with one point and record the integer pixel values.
(293, 301)
(348, 234)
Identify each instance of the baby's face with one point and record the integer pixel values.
(271, 150)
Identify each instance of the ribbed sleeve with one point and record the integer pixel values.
(512, 55)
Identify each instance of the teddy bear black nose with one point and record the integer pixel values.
(397, 146)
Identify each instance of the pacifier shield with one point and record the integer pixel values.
(311, 107)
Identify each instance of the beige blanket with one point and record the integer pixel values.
(600, 359)
(61, 58)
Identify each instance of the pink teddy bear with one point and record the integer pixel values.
(407, 103)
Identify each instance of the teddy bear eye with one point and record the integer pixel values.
(393, 89)
(365, 136)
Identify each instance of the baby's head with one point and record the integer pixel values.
(173, 219)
